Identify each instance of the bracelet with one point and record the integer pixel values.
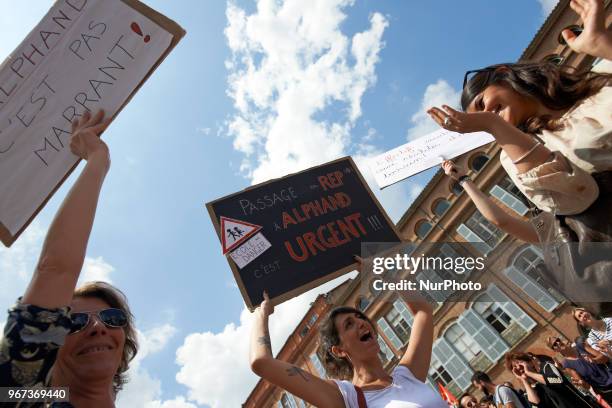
(520, 159)
(463, 179)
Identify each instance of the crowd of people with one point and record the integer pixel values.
(574, 374)
(554, 127)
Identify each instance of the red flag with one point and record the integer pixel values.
(447, 396)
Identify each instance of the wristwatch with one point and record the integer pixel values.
(463, 179)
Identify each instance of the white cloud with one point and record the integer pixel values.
(415, 190)
(435, 95)
(547, 6)
(290, 62)
(17, 264)
(215, 366)
(95, 269)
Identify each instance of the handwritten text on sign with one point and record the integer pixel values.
(315, 222)
(83, 55)
(424, 153)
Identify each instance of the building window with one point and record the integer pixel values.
(386, 354)
(308, 325)
(494, 315)
(488, 339)
(318, 366)
(456, 188)
(576, 29)
(440, 207)
(506, 192)
(480, 232)
(525, 273)
(462, 343)
(449, 367)
(467, 347)
(400, 326)
(363, 303)
(509, 320)
(478, 162)
(422, 229)
(385, 329)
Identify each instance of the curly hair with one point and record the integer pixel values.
(556, 87)
(336, 367)
(117, 299)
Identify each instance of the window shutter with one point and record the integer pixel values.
(532, 288)
(509, 200)
(453, 363)
(402, 309)
(515, 312)
(473, 239)
(491, 343)
(389, 333)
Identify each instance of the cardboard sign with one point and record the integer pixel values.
(424, 153)
(314, 221)
(83, 55)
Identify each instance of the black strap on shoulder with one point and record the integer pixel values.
(360, 398)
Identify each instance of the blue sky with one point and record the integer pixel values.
(253, 92)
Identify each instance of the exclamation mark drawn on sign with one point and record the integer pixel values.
(136, 28)
(375, 222)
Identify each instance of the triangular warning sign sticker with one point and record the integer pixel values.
(235, 232)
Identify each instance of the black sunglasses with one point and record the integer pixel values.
(471, 73)
(112, 318)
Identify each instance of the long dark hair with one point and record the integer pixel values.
(556, 87)
(336, 367)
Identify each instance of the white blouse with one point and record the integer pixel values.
(406, 391)
(583, 146)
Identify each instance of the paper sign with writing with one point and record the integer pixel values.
(315, 222)
(250, 250)
(83, 55)
(423, 153)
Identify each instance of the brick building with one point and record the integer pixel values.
(475, 334)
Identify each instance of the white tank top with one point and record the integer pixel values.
(406, 391)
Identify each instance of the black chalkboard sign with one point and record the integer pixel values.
(315, 221)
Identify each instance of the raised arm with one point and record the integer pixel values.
(595, 356)
(64, 248)
(418, 353)
(289, 377)
(510, 223)
(596, 39)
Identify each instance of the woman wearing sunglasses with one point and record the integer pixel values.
(54, 335)
(350, 352)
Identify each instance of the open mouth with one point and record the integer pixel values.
(366, 337)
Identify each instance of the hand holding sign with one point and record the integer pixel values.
(452, 170)
(85, 141)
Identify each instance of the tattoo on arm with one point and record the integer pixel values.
(293, 371)
(265, 341)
